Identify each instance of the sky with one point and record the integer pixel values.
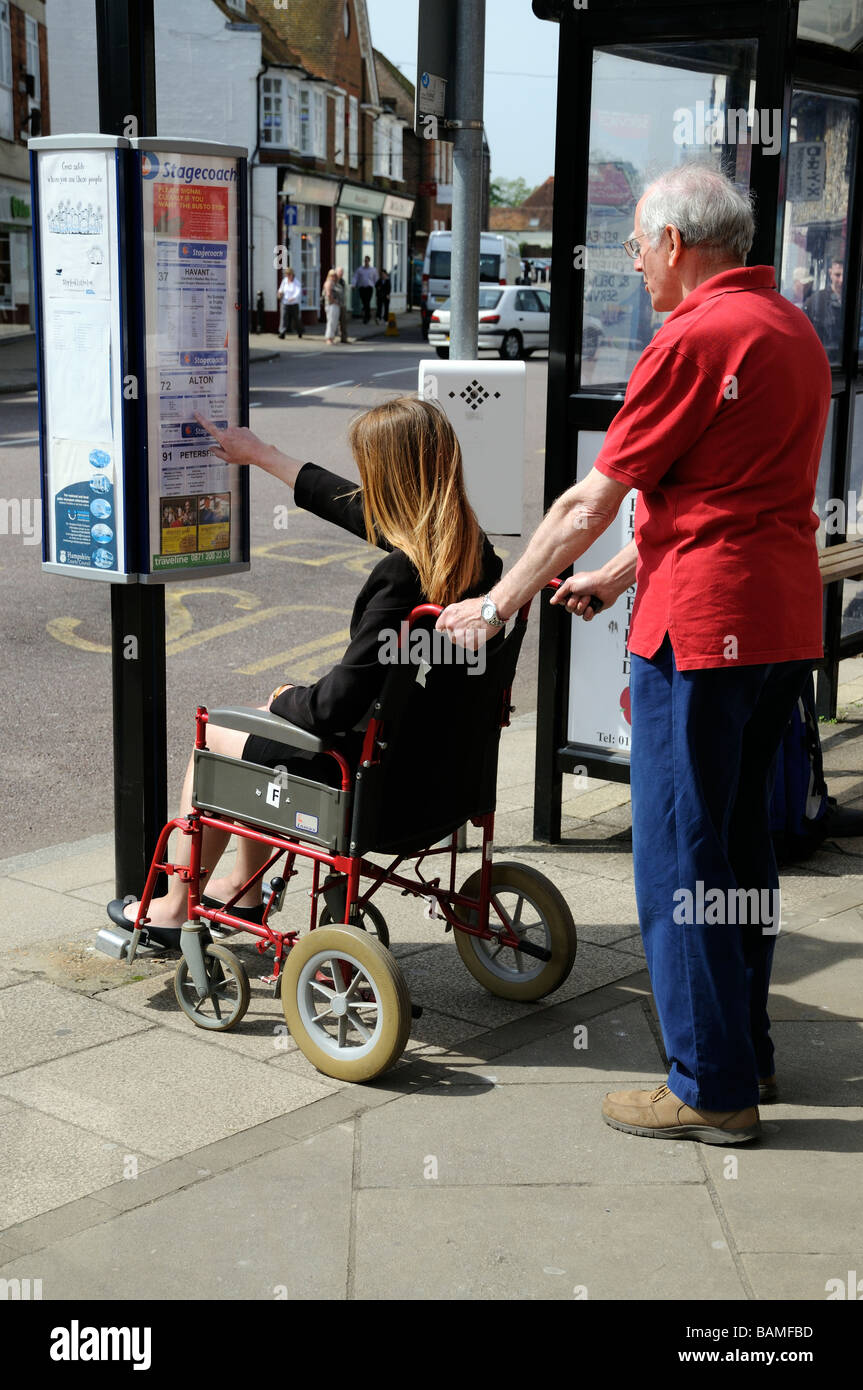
(520, 79)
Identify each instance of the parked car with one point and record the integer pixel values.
(499, 264)
(513, 320)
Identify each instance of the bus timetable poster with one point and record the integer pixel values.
(193, 356)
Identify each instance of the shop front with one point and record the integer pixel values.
(307, 220)
(769, 92)
(397, 213)
(16, 266)
(358, 232)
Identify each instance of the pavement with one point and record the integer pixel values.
(18, 350)
(479, 1167)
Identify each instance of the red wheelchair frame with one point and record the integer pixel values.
(467, 914)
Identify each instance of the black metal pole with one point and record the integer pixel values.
(125, 45)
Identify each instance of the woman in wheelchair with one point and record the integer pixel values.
(412, 504)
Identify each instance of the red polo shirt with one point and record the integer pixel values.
(721, 432)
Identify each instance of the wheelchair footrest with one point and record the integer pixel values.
(115, 942)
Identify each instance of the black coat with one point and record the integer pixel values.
(341, 700)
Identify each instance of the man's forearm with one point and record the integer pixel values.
(570, 527)
(619, 571)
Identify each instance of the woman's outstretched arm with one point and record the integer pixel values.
(239, 445)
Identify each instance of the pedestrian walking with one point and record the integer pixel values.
(365, 279)
(383, 288)
(331, 306)
(343, 304)
(290, 296)
(720, 431)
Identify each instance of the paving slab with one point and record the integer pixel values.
(69, 872)
(534, 1243)
(610, 1050)
(796, 1190)
(819, 1063)
(161, 1093)
(45, 1162)
(515, 1134)
(439, 980)
(277, 1229)
(818, 972)
(39, 1021)
(803, 1276)
(30, 915)
(262, 1033)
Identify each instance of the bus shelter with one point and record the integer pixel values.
(769, 91)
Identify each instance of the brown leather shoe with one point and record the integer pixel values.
(660, 1115)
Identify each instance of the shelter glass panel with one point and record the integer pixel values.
(815, 236)
(652, 109)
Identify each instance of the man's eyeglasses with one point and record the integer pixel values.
(632, 247)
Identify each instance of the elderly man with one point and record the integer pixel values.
(720, 432)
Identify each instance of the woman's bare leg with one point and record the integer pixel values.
(172, 910)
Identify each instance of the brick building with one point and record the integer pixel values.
(328, 176)
(23, 112)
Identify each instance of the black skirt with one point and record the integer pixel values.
(314, 767)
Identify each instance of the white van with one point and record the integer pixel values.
(499, 264)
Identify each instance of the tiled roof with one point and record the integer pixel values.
(541, 197)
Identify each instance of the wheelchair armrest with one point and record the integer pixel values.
(267, 725)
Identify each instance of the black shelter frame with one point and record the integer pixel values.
(784, 65)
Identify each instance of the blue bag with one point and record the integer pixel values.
(799, 802)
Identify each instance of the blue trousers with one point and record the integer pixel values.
(703, 748)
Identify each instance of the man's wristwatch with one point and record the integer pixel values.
(488, 612)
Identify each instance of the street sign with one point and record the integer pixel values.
(291, 214)
(435, 88)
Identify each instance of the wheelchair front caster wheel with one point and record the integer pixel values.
(346, 1003)
(371, 920)
(228, 997)
(537, 911)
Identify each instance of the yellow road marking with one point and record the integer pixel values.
(317, 644)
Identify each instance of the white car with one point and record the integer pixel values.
(512, 319)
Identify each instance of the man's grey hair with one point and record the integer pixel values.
(710, 213)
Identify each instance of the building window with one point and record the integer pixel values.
(6, 118)
(313, 122)
(31, 40)
(319, 143)
(305, 141)
(396, 152)
(381, 165)
(339, 136)
(353, 132)
(272, 111)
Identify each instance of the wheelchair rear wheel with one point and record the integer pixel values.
(346, 1003)
(229, 995)
(537, 912)
(371, 920)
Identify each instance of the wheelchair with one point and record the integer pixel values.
(344, 996)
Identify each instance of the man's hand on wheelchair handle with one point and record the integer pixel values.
(464, 624)
(575, 593)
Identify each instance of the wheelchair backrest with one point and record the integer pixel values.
(440, 733)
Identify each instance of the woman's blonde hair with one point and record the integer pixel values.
(414, 495)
